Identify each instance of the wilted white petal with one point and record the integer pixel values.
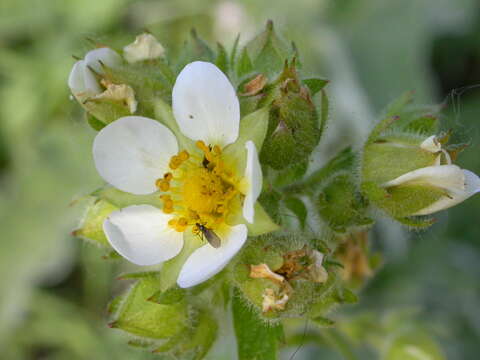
(106, 56)
(133, 152)
(457, 195)
(82, 81)
(145, 47)
(207, 261)
(431, 144)
(253, 176)
(141, 234)
(122, 93)
(76, 79)
(442, 176)
(205, 104)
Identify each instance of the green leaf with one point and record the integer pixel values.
(92, 224)
(256, 340)
(140, 317)
(170, 296)
(315, 84)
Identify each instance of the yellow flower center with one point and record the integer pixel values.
(199, 189)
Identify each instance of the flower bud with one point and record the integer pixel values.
(266, 54)
(145, 47)
(294, 128)
(407, 174)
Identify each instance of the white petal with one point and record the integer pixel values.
(205, 104)
(442, 176)
(472, 186)
(208, 261)
(254, 178)
(133, 152)
(82, 79)
(145, 47)
(107, 56)
(76, 81)
(141, 234)
(431, 144)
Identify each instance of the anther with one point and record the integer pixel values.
(168, 176)
(183, 155)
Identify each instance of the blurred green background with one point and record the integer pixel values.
(54, 288)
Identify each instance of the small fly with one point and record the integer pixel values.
(212, 238)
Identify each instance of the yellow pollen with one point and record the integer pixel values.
(203, 190)
(184, 155)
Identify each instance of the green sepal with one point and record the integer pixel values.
(171, 268)
(137, 275)
(291, 174)
(256, 340)
(294, 128)
(103, 110)
(92, 224)
(253, 127)
(143, 318)
(221, 60)
(315, 84)
(170, 296)
(94, 123)
(122, 199)
(340, 205)
(164, 114)
(417, 222)
(268, 52)
(194, 49)
(297, 206)
(195, 342)
(149, 80)
(262, 223)
(244, 65)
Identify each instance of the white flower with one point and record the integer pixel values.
(145, 47)
(458, 184)
(202, 189)
(82, 80)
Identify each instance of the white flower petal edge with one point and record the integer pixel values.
(472, 186)
(133, 152)
(205, 104)
(141, 234)
(81, 78)
(442, 176)
(254, 178)
(208, 261)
